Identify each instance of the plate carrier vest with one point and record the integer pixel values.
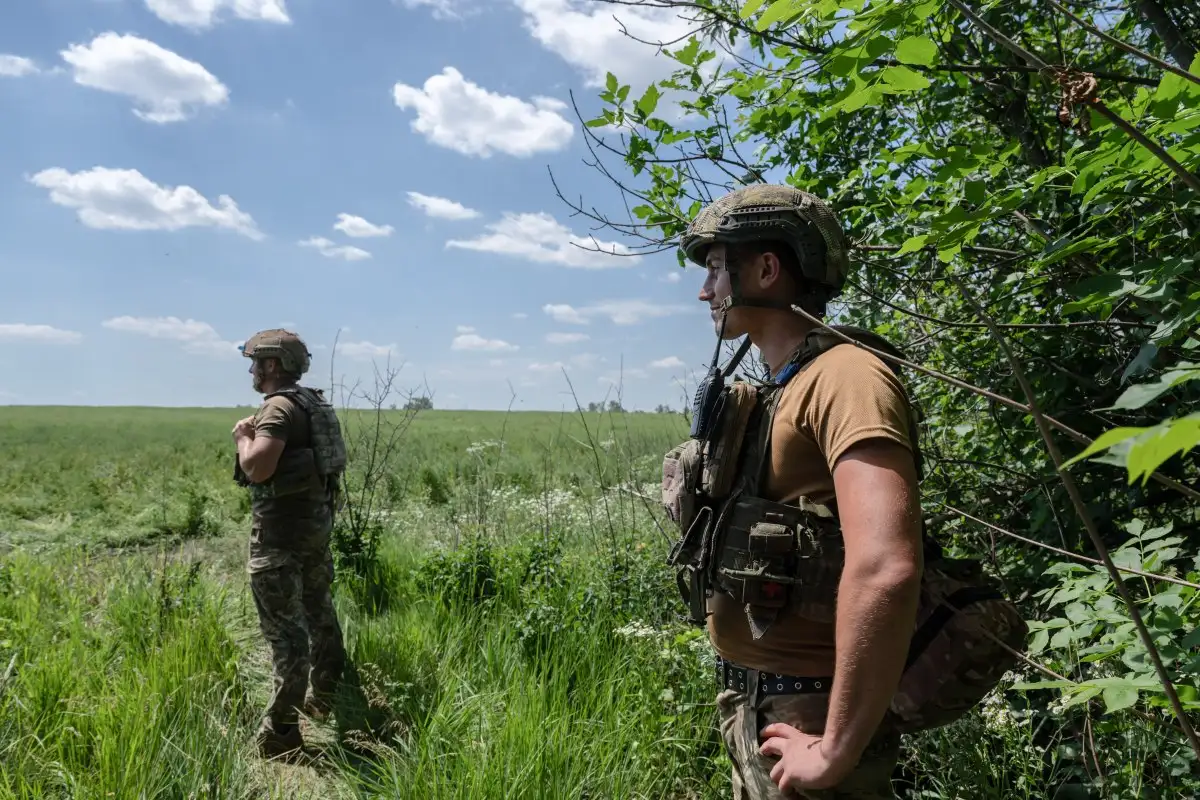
(318, 467)
(772, 556)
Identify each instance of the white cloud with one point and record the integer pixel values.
(202, 14)
(124, 199)
(520, 315)
(557, 366)
(16, 66)
(473, 341)
(465, 329)
(561, 312)
(330, 250)
(440, 207)
(358, 228)
(365, 351)
(441, 9)
(195, 336)
(165, 86)
(566, 338)
(539, 237)
(588, 35)
(670, 362)
(496, 362)
(620, 312)
(454, 113)
(22, 332)
(673, 277)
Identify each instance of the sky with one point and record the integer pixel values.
(178, 174)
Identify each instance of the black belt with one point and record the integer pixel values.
(758, 683)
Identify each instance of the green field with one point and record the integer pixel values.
(516, 636)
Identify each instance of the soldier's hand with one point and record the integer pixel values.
(803, 764)
(244, 428)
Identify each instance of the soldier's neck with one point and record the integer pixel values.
(275, 386)
(778, 336)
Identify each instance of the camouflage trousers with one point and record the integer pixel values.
(296, 615)
(741, 724)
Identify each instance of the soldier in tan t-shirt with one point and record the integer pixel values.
(824, 672)
(289, 456)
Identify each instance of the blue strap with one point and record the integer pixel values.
(786, 374)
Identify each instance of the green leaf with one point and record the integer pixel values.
(975, 192)
(687, 55)
(1167, 439)
(1141, 362)
(913, 244)
(778, 10)
(1105, 441)
(610, 82)
(649, 100)
(1142, 394)
(1089, 243)
(916, 50)
(1191, 640)
(1119, 697)
(750, 7)
(904, 79)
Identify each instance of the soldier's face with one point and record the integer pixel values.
(258, 372)
(716, 288)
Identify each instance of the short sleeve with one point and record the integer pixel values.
(849, 396)
(275, 418)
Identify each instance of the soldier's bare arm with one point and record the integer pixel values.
(876, 487)
(259, 455)
(260, 447)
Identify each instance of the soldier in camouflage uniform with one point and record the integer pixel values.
(290, 455)
(801, 542)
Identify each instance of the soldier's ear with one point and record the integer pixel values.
(770, 269)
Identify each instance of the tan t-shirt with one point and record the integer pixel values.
(842, 397)
(280, 418)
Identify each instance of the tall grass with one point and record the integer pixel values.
(517, 637)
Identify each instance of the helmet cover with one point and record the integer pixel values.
(282, 344)
(774, 212)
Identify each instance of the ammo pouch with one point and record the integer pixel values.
(697, 479)
(239, 474)
(954, 658)
(775, 556)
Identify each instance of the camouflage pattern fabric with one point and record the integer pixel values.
(740, 726)
(963, 643)
(291, 589)
(771, 211)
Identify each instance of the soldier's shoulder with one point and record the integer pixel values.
(847, 357)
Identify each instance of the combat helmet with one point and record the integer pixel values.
(775, 212)
(288, 347)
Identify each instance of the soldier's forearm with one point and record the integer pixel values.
(876, 608)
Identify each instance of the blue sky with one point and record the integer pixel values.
(176, 174)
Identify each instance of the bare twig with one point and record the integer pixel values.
(1128, 48)
(1060, 75)
(1067, 553)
